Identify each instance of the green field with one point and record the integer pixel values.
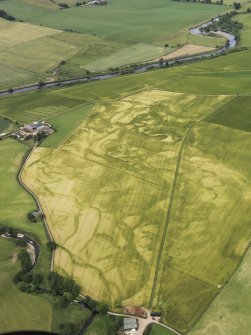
(22, 311)
(137, 21)
(42, 3)
(14, 202)
(17, 310)
(159, 330)
(65, 125)
(230, 312)
(114, 35)
(205, 41)
(215, 182)
(234, 116)
(133, 54)
(22, 9)
(38, 106)
(245, 33)
(103, 325)
(74, 314)
(27, 51)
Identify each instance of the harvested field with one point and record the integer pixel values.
(14, 33)
(186, 50)
(123, 153)
(38, 55)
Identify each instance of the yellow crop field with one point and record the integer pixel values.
(14, 33)
(105, 191)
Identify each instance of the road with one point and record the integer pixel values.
(19, 178)
(144, 322)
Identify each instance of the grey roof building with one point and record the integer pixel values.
(130, 324)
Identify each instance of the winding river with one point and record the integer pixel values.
(140, 68)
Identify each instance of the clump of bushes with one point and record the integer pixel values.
(225, 24)
(64, 289)
(6, 16)
(27, 281)
(95, 306)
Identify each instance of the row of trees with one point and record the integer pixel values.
(63, 5)
(64, 289)
(26, 280)
(226, 24)
(216, 2)
(79, 3)
(6, 16)
(95, 306)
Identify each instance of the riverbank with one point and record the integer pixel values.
(137, 68)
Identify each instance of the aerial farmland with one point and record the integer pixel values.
(132, 214)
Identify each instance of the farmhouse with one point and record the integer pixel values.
(33, 129)
(101, 2)
(97, 2)
(155, 315)
(35, 215)
(130, 325)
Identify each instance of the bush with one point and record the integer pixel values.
(101, 307)
(24, 287)
(37, 279)
(18, 277)
(61, 285)
(51, 245)
(27, 278)
(68, 328)
(148, 330)
(25, 261)
(6, 16)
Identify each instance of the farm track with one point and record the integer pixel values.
(169, 211)
(27, 189)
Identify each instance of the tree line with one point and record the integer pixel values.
(226, 24)
(6, 16)
(216, 2)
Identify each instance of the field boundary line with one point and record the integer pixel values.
(28, 190)
(169, 212)
(124, 172)
(222, 289)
